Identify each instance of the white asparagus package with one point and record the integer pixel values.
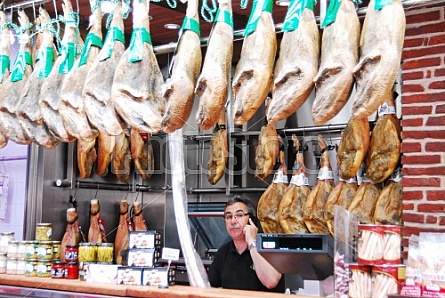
(360, 284)
(387, 279)
(392, 242)
(370, 245)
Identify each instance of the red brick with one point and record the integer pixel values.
(435, 195)
(436, 121)
(426, 110)
(426, 29)
(415, 64)
(422, 182)
(420, 159)
(423, 98)
(422, 17)
(423, 52)
(412, 43)
(412, 88)
(413, 217)
(439, 72)
(408, 231)
(437, 85)
(432, 134)
(434, 208)
(431, 219)
(442, 221)
(434, 146)
(433, 171)
(408, 206)
(440, 109)
(412, 122)
(408, 147)
(412, 195)
(435, 40)
(410, 76)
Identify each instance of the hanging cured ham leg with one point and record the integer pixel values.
(212, 86)
(315, 203)
(122, 157)
(138, 218)
(381, 44)
(105, 149)
(86, 157)
(96, 91)
(253, 74)
(219, 151)
(297, 62)
(72, 233)
(137, 80)
(179, 89)
(71, 106)
(28, 110)
(11, 88)
(122, 234)
(5, 48)
(49, 95)
(364, 202)
(339, 56)
(294, 198)
(142, 153)
(267, 151)
(96, 233)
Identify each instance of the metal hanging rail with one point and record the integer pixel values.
(104, 186)
(238, 34)
(9, 158)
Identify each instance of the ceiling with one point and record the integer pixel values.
(161, 14)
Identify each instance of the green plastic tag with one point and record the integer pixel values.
(331, 13)
(225, 17)
(23, 59)
(91, 40)
(257, 8)
(68, 53)
(294, 13)
(46, 57)
(190, 24)
(113, 34)
(5, 63)
(379, 4)
(138, 37)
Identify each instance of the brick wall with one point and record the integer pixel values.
(423, 121)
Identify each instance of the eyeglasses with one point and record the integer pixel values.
(237, 216)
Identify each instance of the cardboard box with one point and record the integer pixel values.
(413, 283)
(158, 276)
(101, 273)
(129, 276)
(144, 239)
(141, 257)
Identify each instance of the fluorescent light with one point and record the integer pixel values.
(282, 2)
(172, 26)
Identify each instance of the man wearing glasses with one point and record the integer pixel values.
(237, 264)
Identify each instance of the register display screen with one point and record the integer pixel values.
(292, 243)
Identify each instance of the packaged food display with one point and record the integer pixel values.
(44, 231)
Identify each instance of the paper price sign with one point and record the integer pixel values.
(170, 253)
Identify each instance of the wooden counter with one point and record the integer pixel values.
(77, 286)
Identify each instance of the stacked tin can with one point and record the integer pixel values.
(8, 253)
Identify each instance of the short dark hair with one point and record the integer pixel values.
(247, 202)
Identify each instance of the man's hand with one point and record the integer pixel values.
(250, 232)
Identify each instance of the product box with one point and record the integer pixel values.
(413, 283)
(388, 279)
(158, 276)
(101, 273)
(433, 285)
(142, 257)
(129, 276)
(144, 239)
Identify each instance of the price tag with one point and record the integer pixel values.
(170, 253)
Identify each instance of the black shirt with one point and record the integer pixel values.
(232, 270)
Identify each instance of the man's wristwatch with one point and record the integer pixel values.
(252, 245)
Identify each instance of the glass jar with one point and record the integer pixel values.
(21, 265)
(72, 253)
(31, 267)
(56, 249)
(58, 269)
(31, 249)
(11, 266)
(72, 270)
(5, 237)
(87, 252)
(105, 253)
(45, 250)
(44, 268)
(21, 249)
(44, 231)
(3, 260)
(12, 249)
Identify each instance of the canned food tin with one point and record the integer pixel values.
(21, 264)
(105, 253)
(72, 270)
(87, 252)
(44, 268)
(3, 263)
(12, 249)
(72, 253)
(370, 247)
(31, 267)
(11, 266)
(56, 249)
(58, 269)
(21, 249)
(31, 249)
(392, 244)
(44, 231)
(5, 237)
(45, 250)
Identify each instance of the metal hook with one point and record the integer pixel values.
(97, 190)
